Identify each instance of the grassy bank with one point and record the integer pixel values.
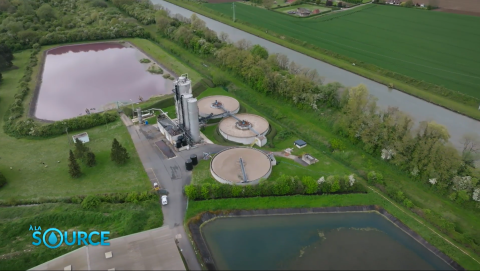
(197, 207)
(17, 251)
(28, 176)
(428, 92)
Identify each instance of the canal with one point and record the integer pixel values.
(457, 124)
(333, 241)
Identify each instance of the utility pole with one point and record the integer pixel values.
(233, 6)
(66, 131)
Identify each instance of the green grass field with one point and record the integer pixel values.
(435, 47)
(17, 251)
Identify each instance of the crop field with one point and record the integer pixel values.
(439, 48)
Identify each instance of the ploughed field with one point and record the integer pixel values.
(439, 48)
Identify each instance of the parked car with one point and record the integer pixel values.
(164, 200)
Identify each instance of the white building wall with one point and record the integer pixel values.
(242, 140)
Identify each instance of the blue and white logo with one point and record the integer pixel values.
(53, 238)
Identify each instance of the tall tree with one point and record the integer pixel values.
(6, 57)
(91, 161)
(73, 166)
(80, 150)
(258, 50)
(119, 154)
(46, 12)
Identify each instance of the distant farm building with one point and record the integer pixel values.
(303, 12)
(316, 11)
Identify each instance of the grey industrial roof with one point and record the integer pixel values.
(149, 250)
(300, 142)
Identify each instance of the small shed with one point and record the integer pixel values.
(307, 158)
(300, 143)
(82, 137)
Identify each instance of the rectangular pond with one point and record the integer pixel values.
(94, 76)
(334, 241)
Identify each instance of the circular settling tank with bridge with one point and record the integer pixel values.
(212, 105)
(226, 167)
(242, 128)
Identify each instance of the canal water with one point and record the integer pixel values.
(334, 241)
(94, 76)
(420, 110)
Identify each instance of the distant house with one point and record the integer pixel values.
(316, 11)
(289, 1)
(307, 158)
(300, 143)
(303, 12)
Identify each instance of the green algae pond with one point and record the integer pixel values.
(338, 241)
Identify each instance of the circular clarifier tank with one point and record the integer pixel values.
(213, 105)
(241, 129)
(226, 167)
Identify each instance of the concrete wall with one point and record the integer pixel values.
(241, 140)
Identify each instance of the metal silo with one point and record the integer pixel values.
(184, 85)
(193, 118)
(185, 110)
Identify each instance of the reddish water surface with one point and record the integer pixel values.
(94, 76)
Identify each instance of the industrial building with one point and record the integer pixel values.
(184, 131)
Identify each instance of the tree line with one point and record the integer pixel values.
(423, 151)
(282, 186)
(27, 22)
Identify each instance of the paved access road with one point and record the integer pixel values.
(172, 176)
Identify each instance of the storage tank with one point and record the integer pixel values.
(185, 110)
(188, 164)
(139, 115)
(184, 85)
(194, 159)
(193, 118)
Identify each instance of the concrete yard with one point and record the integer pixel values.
(149, 250)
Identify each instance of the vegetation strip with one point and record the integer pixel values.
(196, 223)
(437, 96)
(466, 253)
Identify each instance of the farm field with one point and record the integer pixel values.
(435, 47)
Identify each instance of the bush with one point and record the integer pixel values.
(219, 80)
(90, 202)
(336, 144)
(328, 3)
(132, 197)
(99, 3)
(3, 180)
(284, 134)
(375, 177)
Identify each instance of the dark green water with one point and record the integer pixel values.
(341, 241)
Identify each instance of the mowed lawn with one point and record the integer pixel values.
(435, 47)
(29, 178)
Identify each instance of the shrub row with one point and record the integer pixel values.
(134, 197)
(443, 224)
(283, 186)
